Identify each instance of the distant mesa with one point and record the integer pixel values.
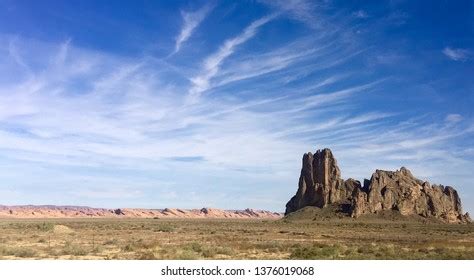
(51, 211)
(320, 185)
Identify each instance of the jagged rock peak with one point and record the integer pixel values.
(325, 169)
(320, 184)
(401, 191)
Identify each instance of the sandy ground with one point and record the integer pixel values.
(232, 239)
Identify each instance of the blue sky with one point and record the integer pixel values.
(211, 104)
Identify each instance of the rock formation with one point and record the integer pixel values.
(320, 184)
(401, 191)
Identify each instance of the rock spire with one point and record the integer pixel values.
(320, 184)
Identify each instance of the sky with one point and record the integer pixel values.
(192, 104)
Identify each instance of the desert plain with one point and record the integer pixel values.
(310, 233)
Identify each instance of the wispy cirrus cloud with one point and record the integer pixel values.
(129, 121)
(191, 20)
(115, 125)
(456, 54)
(14, 54)
(361, 14)
(211, 65)
(300, 10)
(129, 114)
(260, 64)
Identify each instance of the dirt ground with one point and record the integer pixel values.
(233, 239)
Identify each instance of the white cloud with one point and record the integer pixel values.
(118, 116)
(360, 14)
(453, 118)
(107, 193)
(300, 10)
(63, 52)
(127, 115)
(191, 20)
(212, 64)
(456, 54)
(15, 55)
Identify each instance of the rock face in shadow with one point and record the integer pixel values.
(320, 184)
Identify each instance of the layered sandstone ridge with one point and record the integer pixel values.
(49, 211)
(320, 184)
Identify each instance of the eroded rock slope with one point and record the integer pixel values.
(320, 184)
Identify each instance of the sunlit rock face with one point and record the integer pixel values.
(320, 184)
(400, 190)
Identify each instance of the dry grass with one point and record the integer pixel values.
(232, 239)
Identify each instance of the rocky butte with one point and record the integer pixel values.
(320, 184)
